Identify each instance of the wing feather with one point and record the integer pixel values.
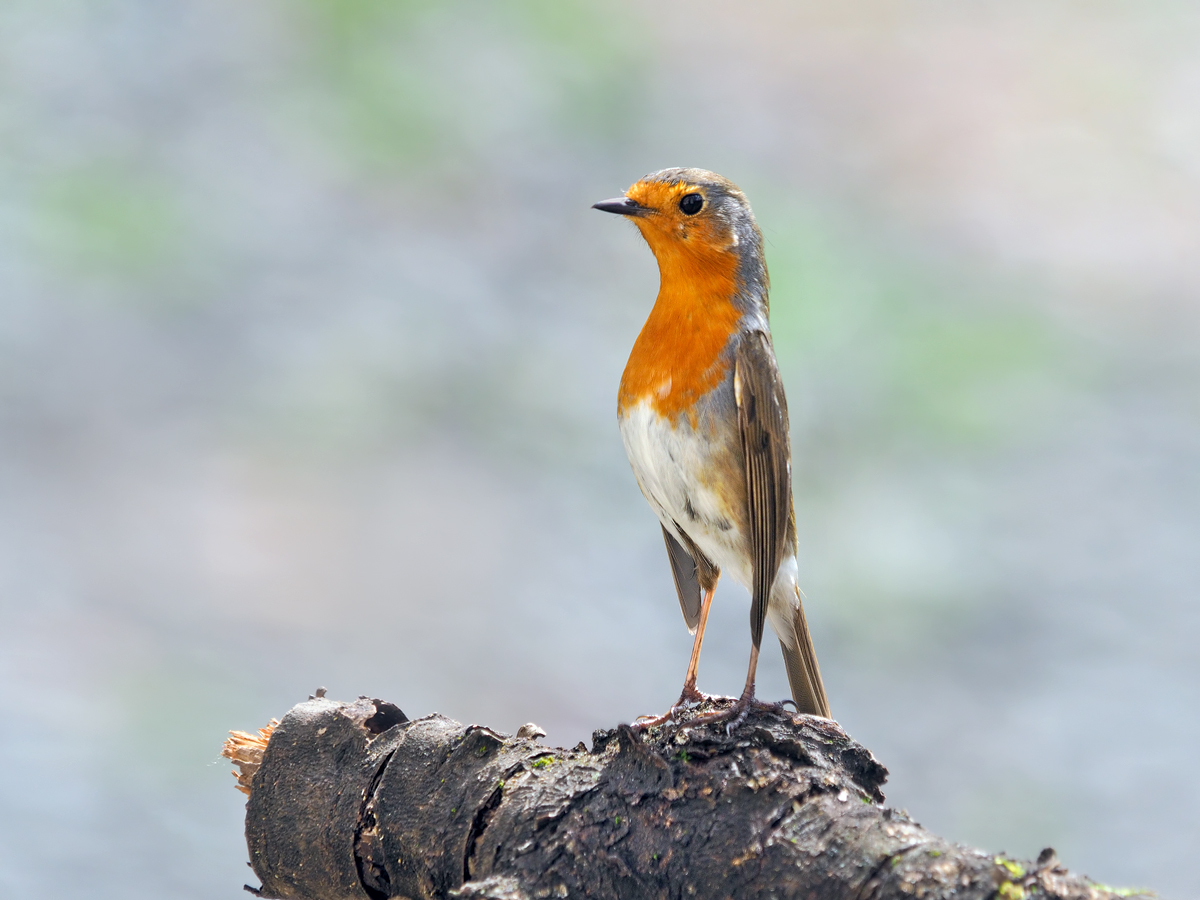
(693, 572)
(687, 585)
(763, 422)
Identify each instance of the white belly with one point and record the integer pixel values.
(674, 467)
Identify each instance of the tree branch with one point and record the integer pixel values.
(353, 800)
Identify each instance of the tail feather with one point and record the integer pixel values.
(804, 675)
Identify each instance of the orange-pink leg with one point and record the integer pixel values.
(690, 694)
(736, 713)
(693, 669)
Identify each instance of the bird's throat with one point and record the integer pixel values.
(680, 354)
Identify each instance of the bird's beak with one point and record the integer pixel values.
(621, 206)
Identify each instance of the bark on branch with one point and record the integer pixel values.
(353, 800)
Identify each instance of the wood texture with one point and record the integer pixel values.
(352, 800)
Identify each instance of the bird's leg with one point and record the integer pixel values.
(690, 694)
(742, 707)
(736, 714)
(689, 683)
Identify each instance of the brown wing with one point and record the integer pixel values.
(763, 422)
(693, 572)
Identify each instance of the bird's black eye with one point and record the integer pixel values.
(691, 204)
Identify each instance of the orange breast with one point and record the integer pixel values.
(677, 357)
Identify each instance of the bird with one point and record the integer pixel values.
(703, 418)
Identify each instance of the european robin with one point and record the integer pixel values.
(704, 421)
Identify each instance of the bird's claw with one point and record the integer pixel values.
(735, 715)
(689, 697)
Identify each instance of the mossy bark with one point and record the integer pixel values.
(352, 800)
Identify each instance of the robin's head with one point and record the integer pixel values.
(692, 218)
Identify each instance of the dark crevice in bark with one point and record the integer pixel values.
(870, 885)
(483, 817)
(478, 826)
(372, 874)
(386, 715)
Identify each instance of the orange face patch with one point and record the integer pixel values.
(667, 225)
(676, 358)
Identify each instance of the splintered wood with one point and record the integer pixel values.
(246, 752)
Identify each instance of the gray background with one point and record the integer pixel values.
(310, 345)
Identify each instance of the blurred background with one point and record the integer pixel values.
(310, 345)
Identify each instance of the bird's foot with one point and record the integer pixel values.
(689, 697)
(734, 715)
